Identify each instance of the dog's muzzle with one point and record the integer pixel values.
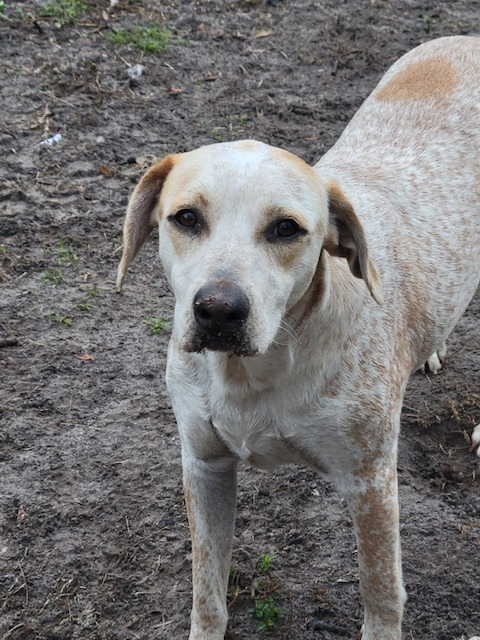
(221, 310)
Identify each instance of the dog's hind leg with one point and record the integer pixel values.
(435, 361)
(476, 440)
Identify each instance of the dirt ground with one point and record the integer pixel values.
(93, 534)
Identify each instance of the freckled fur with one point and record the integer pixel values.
(393, 207)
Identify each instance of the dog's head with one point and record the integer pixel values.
(241, 228)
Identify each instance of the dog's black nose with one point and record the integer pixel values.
(221, 309)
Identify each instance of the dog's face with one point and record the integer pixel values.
(241, 229)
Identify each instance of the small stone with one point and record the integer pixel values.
(135, 72)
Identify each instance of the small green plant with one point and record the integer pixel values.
(66, 255)
(65, 12)
(216, 135)
(53, 277)
(266, 562)
(265, 609)
(85, 306)
(148, 39)
(62, 319)
(156, 325)
(266, 612)
(427, 23)
(234, 589)
(2, 6)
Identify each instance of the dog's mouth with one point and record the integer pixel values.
(221, 310)
(236, 344)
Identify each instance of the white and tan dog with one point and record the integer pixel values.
(305, 298)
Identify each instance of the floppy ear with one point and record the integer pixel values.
(140, 219)
(346, 239)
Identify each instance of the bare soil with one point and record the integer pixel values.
(93, 533)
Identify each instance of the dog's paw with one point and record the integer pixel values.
(436, 361)
(476, 440)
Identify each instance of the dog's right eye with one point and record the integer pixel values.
(186, 218)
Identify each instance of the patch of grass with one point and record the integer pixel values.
(233, 590)
(66, 255)
(150, 39)
(61, 318)
(216, 136)
(266, 562)
(65, 12)
(2, 6)
(265, 608)
(427, 23)
(53, 277)
(63, 256)
(156, 325)
(233, 128)
(266, 612)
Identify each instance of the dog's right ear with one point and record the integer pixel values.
(140, 219)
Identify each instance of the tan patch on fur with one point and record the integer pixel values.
(430, 79)
(377, 530)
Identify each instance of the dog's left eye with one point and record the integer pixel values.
(284, 230)
(186, 218)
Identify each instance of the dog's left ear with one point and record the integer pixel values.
(140, 219)
(346, 239)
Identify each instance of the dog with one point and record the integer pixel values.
(305, 298)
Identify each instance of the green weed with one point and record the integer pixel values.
(148, 39)
(265, 609)
(52, 277)
(427, 23)
(65, 12)
(62, 319)
(266, 612)
(266, 562)
(234, 589)
(156, 325)
(66, 255)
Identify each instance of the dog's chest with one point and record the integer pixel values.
(257, 433)
(272, 428)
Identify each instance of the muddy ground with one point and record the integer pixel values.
(93, 533)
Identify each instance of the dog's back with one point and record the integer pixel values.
(409, 163)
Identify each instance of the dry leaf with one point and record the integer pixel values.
(106, 171)
(21, 515)
(84, 356)
(263, 33)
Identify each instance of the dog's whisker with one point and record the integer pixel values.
(289, 330)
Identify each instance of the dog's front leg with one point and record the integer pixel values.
(210, 493)
(373, 505)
